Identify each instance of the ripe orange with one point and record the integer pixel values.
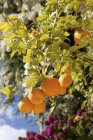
(50, 86)
(80, 34)
(65, 80)
(37, 96)
(62, 90)
(25, 105)
(39, 108)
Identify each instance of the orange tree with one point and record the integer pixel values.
(57, 53)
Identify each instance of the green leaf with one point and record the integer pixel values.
(52, 1)
(89, 1)
(17, 80)
(6, 90)
(9, 37)
(26, 59)
(66, 34)
(91, 43)
(42, 17)
(29, 52)
(90, 56)
(28, 83)
(12, 17)
(22, 45)
(14, 20)
(75, 48)
(13, 53)
(83, 105)
(44, 37)
(5, 27)
(74, 22)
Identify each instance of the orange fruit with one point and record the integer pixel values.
(25, 105)
(37, 96)
(80, 34)
(62, 90)
(50, 86)
(65, 80)
(39, 108)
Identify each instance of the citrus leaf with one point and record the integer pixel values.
(26, 59)
(22, 45)
(91, 43)
(5, 27)
(83, 104)
(52, 1)
(42, 17)
(6, 90)
(66, 34)
(44, 37)
(13, 53)
(29, 51)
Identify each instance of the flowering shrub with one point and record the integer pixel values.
(57, 127)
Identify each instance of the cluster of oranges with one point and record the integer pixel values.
(34, 101)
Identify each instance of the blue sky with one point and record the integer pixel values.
(11, 120)
(13, 123)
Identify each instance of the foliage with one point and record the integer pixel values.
(62, 35)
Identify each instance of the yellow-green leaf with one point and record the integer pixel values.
(29, 51)
(42, 17)
(9, 37)
(28, 83)
(26, 59)
(14, 19)
(13, 53)
(5, 27)
(6, 90)
(66, 34)
(91, 43)
(52, 1)
(22, 45)
(44, 37)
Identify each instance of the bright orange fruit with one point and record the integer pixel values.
(37, 96)
(62, 90)
(65, 80)
(25, 105)
(50, 86)
(39, 108)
